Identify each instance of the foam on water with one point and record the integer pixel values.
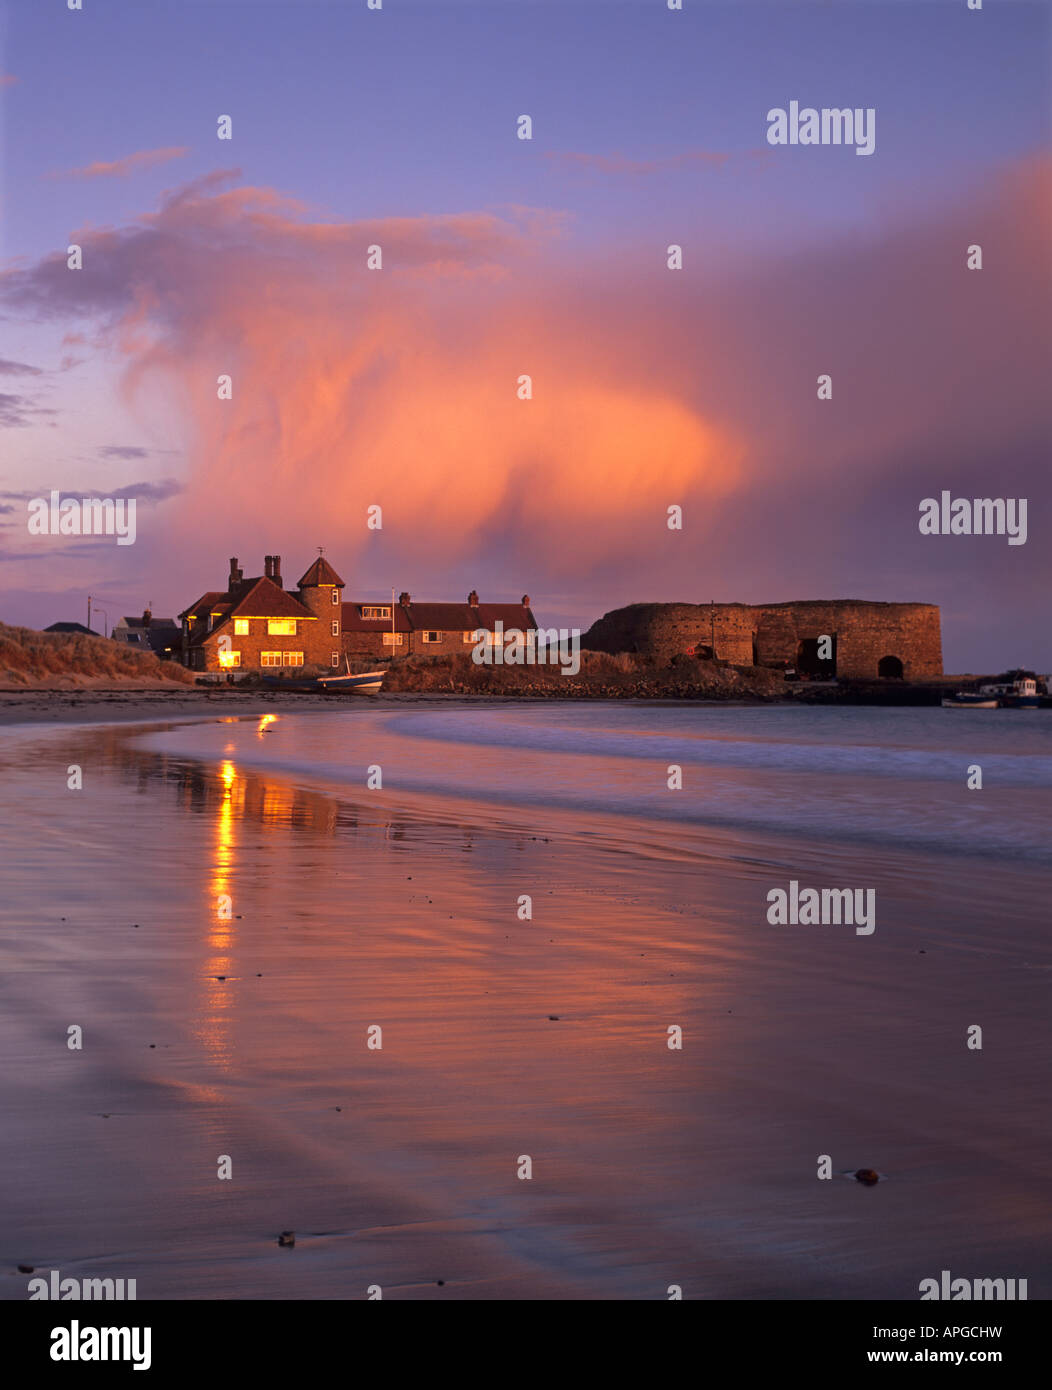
(888, 776)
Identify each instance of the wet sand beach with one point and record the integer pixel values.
(350, 908)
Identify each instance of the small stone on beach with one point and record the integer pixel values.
(867, 1176)
(287, 1238)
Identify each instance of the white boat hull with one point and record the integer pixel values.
(367, 683)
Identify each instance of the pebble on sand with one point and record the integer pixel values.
(25, 1269)
(867, 1176)
(287, 1238)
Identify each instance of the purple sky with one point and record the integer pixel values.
(547, 257)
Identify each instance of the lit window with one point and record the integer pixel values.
(228, 659)
(432, 637)
(240, 627)
(336, 627)
(281, 627)
(292, 658)
(335, 597)
(392, 639)
(335, 659)
(270, 658)
(469, 637)
(377, 613)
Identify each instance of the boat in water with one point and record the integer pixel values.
(1017, 690)
(966, 699)
(353, 682)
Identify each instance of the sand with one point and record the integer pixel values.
(502, 1038)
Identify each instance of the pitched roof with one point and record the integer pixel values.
(510, 614)
(262, 598)
(320, 574)
(438, 617)
(154, 622)
(444, 617)
(352, 621)
(204, 604)
(73, 627)
(252, 598)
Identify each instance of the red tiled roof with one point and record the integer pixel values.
(203, 606)
(438, 617)
(443, 617)
(510, 614)
(350, 621)
(253, 598)
(319, 574)
(262, 598)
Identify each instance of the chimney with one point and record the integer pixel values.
(146, 616)
(276, 576)
(233, 572)
(473, 599)
(268, 562)
(525, 600)
(403, 599)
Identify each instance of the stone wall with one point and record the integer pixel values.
(863, 634)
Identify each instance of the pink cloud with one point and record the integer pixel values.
(129, 164)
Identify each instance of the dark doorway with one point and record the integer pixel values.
(809, 663)
(889, 668)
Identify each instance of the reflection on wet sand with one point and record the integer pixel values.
(331, 910)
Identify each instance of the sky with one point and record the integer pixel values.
(398, 387)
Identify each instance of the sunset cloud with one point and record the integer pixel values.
(398, 387)
(128, 164)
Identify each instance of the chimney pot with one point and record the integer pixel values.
(233, 570)
(276, 576)
(403, 599)
(146, 616)
(473, 599)
(268, 562)
(525, 600)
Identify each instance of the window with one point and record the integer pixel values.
(336, 627)
(292, 658)
(281, 627)
(228, 659)
(469, 637)
(377, 612)
(392, 639)
(432, 637)
(335, 597)
(270, 658)
(240, 627)
(335, 659)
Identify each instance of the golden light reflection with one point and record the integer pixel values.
(213, 1022)
(265, 722)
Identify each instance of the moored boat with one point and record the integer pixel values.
(354, 683)
(966, 699)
